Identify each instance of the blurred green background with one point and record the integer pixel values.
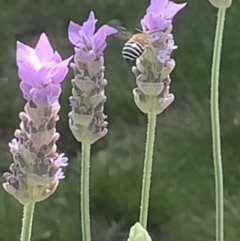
(182, 195)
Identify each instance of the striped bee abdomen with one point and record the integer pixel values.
(132, 50)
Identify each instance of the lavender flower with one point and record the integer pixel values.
(154, 66)
(37, 167)
(86, 120)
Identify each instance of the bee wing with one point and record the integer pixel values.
(122, 32)
(115, 23)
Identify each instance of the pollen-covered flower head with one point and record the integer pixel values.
(90, 44)
(41, 70)
(159, 14)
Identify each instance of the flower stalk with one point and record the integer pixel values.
(28, 211)
(147, 170)
(215, 122)
(84, 194)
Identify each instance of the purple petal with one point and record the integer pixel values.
(59, 73)
(163, 56)
(53, 93)
(39, 96)
(60, 174)
(89, 28)
(26, 89)
(172, 9)
(56, 57)
(99, 42)
(100, 49)
(100, 37)
(153, 22)
(73, 32)
(47, 95)
(85, 56)
(43, 76)
(105, 31)
(91, 16)
(60, 70)
(27, 72)
(13, 143)
(44, 49)
(61, 161)
(23, 51)
(73, 103)
(157, 6)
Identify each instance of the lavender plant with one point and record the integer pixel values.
(222, 5)
(37, 166)
(152, 95)
(87, 120)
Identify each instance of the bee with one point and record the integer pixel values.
(136, 43)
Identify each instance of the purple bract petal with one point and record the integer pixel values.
(43, 49)
(23, 51)
(49, 94)
(73, 33)
(172, 9)
(91, 17)
(56, 57)
(88, 27)
(153, 22)
(157, 6)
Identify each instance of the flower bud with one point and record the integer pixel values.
(221, 3)
(138, 233)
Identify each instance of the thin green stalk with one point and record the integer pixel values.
(85, 209)
(216, 141)
(27, 220)
(147, 170)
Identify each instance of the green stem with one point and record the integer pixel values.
(28, 211)
(216, 142)
(85, 209)
(147, 170)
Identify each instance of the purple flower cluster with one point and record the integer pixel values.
(37, 166)
(159, 15)
(89, 44)
(41, 71)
